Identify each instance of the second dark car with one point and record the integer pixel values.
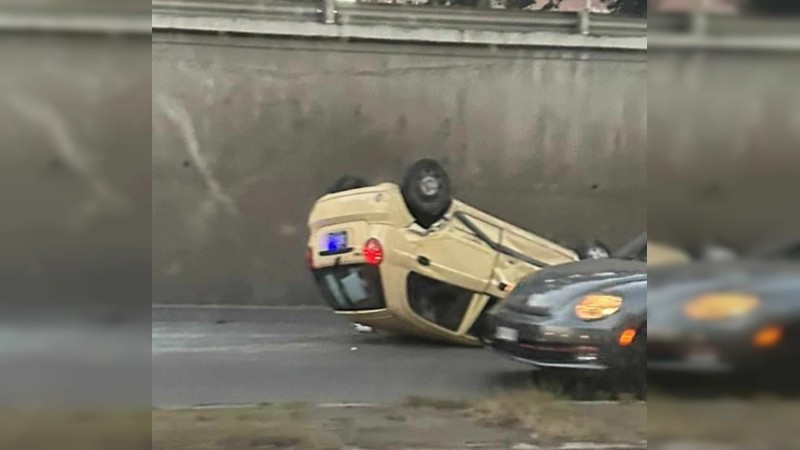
(589, 315)
(726, 317)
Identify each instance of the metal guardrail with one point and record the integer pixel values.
(411, 16)
(496, 20)
(699, 30)
(328, 18)
(295, 11)
(86, 17)
(717, 25)
(582, 29)
(403, 23)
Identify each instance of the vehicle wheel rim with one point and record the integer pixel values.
(429, 185)
(597, 253)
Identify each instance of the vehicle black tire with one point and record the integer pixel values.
(631, 378)
(426, 191)
(593, 250)
(347, 183)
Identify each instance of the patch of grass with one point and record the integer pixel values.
(436, 403)
(75, 430)
(396, 417)
(275, 427)
(287, 406)
(549, 417)
(726, 421)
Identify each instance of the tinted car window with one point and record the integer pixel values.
(351, 288)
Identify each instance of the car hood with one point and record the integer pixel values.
(554, 288)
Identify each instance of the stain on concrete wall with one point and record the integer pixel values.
(247, 133)
(75, 173)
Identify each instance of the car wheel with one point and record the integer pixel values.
(593, 250)
(426, 191)
(347, 183)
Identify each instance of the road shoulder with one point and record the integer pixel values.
(417, 423)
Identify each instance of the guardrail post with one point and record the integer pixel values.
(585, 17)
(328, 11)
(699, 21)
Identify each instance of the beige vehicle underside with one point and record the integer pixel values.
(450, 253)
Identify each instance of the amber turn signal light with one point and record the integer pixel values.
(768, 337)
(627, 337)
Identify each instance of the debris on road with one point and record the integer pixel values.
(362, 329)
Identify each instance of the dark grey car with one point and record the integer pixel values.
(588, 315)
(736, 316)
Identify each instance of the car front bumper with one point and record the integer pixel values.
(561, 357)
(549, 342)
(693, 351)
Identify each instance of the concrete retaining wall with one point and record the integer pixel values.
(724, 153)
(74, 174)
(248, 132)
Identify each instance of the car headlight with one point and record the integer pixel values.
(597, 306)
(720, 306)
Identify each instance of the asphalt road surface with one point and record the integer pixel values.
(226, 356)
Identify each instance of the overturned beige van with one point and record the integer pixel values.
(410, 259)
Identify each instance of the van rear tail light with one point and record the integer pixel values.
(373, 252)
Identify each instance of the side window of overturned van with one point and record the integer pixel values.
(351, 288)
(438, 302)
